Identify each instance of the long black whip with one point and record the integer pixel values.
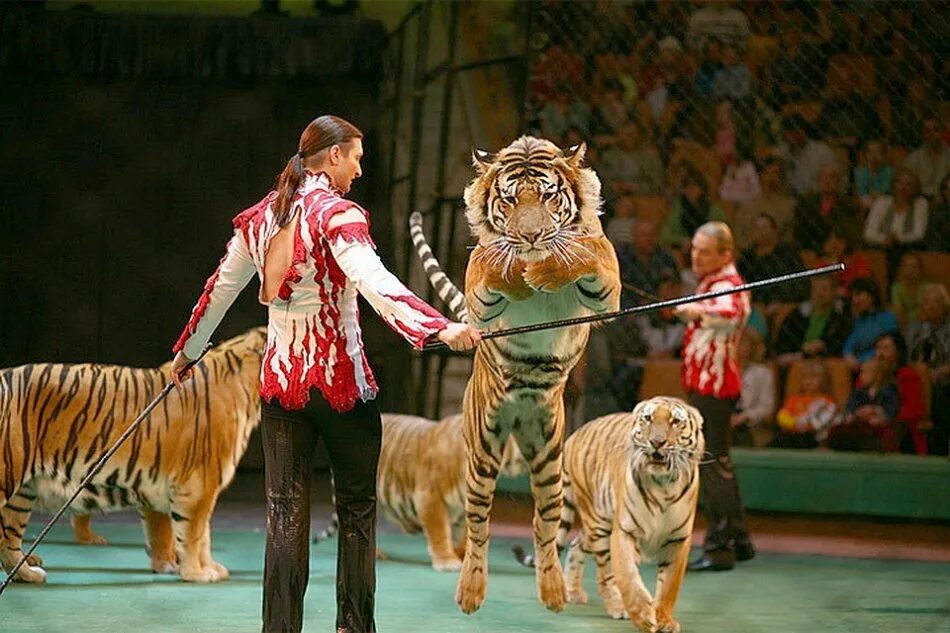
(648, 307)
(97, 467)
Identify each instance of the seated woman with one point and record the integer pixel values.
(752, 421)
(690, 210)
(870, 321)
(817, 327)
(838, 248)
(805, 417)
(869, 420)
(906, 291)
(898, 221)
(891, 351)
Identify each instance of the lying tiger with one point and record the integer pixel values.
(541, 255)
(421, 482)
(56, 420)
(646, 465)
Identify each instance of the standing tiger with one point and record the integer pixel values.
(541, 255)
(632, 480)
(56, 420)
(420, 482)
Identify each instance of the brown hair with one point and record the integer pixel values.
(321, 133)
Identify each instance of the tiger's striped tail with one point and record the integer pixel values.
(448, 292)
(330, 531)
(563, 529)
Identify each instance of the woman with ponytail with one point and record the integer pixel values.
(312, 252)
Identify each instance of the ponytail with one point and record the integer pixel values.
(321, 133)
(287, 184)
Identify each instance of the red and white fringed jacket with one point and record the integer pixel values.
(710, 365)
(313, 331)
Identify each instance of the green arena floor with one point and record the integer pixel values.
(109, 590)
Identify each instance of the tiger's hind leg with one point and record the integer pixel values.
(574, 569)
(82, 531)
(541, 442)
(484, 451)
(606, 584)
(14, 517)
(434, 516)
(160, 541)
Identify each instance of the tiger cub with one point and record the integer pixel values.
(420, 482)
(646, 465)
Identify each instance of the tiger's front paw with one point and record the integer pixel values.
(472, 585)
(551, 589)
(447, 564)
(509, 281)
(644, 617)
(550, 274)
(667, 626)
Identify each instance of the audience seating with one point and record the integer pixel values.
(652, 209)
(662, 378)
(878, 263)
(936, 266)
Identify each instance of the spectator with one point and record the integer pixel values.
(805, 417)
(611, 113)
(874, 176)
(846, 116)
(752, 423)
(794, 68)
(629, 167)
(661, 330)
(870, 321)
(767, 257)
(806, 157)
(689, 211)
(733, 80)
(907, 290)
(709, 65)
(725, 134)
(816, 214)
(909, 114)
(562, 112)
(817, 327)
(890, 350)
(772, 200)
(931, 161)
(899, 219)
(719, 20)
(620, 226)
(929, 342)
(938, 226)
(868, 423)
(837, 248)
(643, 264)
(740, 180)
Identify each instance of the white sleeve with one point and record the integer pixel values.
(919, 222)
(221, 289)
(404, 312)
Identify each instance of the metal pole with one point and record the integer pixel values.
(659, 305)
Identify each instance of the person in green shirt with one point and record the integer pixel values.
(691, 209)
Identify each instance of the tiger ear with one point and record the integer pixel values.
(574, 155)
(482, 160)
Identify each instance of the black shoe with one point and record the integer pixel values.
(719, 560)
(744, 550)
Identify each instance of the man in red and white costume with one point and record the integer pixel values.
(312, 253)
(712, 378)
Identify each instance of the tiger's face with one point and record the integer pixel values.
(532, 200)
(667, 436)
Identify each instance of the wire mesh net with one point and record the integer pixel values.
(818, 131)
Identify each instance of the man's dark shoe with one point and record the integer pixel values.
(718, 560)
(744, 550)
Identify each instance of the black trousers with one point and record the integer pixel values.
(352, 440)
(719, 499)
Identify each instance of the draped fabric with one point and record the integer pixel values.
(200, 47)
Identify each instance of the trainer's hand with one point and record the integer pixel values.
(460, 337)
(175, 372)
